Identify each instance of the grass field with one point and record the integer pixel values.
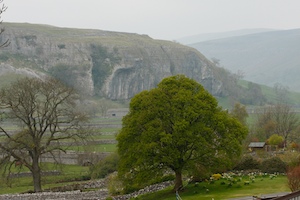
(69, 173)
(218, 190)
(95, 148)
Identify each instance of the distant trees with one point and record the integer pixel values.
(103, 64)
(253, 95)
(46, 113)
(281, 93)
(278, 119)
(175, 126)
(236, 90)
(239, 112)
(65, 73)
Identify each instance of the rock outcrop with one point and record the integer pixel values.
(110, 64)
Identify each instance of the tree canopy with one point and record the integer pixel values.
(173, 127)
(45, 111)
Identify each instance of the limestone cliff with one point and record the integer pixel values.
(110, 64)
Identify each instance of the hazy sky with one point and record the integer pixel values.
(160, 19)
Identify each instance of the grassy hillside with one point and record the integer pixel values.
(266, 58)
(213, 36)
(292, 98)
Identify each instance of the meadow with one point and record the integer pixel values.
(226, 188)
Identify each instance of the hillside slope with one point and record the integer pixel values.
(219, 35)
(103, 63)
(265, 58)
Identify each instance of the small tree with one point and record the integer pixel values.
(105, 166)
(293, 176)
(46, 114)
(275, 139)
(239, 112)
(174, 127)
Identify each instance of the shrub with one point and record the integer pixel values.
(294, 146)
(216, 176)
(273, 165)
(61, 46)
(292, 159)
(247, 163)
(293, 176)
(275, 139)
(114, 185)
(105, 166)
(199, 173)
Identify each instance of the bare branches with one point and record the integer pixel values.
(3, 8)
(46, 111)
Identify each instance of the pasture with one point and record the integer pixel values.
(224, 188)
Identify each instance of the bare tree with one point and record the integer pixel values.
(47, 115)
(278, 119)
(281, 92)
(3, 9)
(285, 119)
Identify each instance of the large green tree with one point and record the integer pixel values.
(175, 126)
(46, 113)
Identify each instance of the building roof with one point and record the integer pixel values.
(257, 144)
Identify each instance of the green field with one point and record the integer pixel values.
(95, 148)
(69, 175)
(218, 190)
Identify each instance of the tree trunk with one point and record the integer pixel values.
(178, 181)
(36, 174)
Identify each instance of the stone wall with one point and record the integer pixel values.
(100, 194)
(74, 158)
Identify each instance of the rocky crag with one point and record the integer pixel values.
(109, 64)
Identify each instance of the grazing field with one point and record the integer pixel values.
(222, 189)
(69, 174)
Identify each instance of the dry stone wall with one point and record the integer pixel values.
(100, 194)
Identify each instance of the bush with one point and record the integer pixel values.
(105, 166)
(273, 165)
(199, 173)
(292, 159)
(247, 163)
(114, 186)
(293, 176)
(216, 176)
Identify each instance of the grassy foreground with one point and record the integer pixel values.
(222, 189)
